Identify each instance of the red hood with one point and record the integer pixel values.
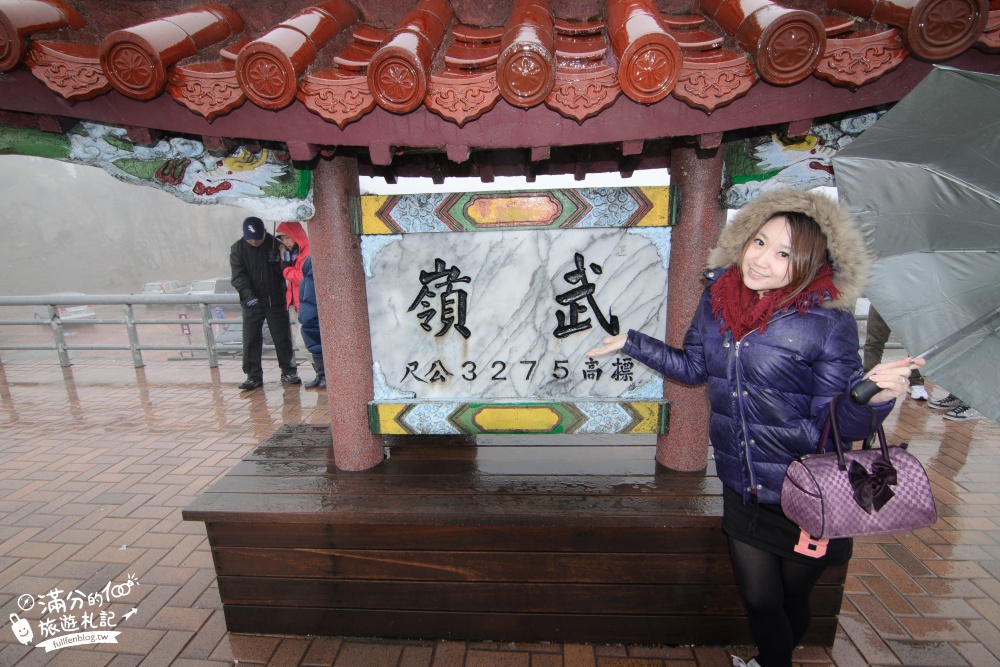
(294, 229)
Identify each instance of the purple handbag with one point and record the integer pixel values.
(857, 493)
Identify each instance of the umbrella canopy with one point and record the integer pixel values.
(926, 179)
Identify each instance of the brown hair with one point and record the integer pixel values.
(809, 251)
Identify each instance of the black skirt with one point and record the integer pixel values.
(766, 527)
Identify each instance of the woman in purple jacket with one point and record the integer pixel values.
(774, 337)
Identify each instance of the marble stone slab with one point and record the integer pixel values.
(477, 316)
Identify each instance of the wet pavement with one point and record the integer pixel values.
(97, 461)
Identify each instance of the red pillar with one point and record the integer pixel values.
(699, 174)
(343, 314)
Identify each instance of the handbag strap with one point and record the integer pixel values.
(831, 424)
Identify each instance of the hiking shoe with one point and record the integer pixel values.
(949, 402)
(318, 382)
(918, 393)
(961, 413)
(249, 384)
(290, 378)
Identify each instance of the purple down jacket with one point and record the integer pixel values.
(769, 393)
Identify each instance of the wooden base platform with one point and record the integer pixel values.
(513, 540)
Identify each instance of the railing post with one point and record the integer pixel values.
(57, 333)
(133, 336)
(206, 325)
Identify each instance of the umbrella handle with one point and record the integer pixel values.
(864, 391)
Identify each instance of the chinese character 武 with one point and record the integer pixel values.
(572, 299)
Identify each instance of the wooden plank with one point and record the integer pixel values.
(620, 568)
(475, 566)
(652, 599)
(452, 509)
(577, 539)
(520, 466)
(375, 484)
(582, 628)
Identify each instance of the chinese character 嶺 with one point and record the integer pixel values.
(453, 301)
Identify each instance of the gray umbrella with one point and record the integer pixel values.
(926, 177)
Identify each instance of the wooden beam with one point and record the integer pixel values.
(583, 155)
(302, 151)
(142, 136)
(627, 166)
(633, 147)
(799, 128)
(458, 153)
(710, 141)
(57, 124)
(484, 167)
(218, 146)
(539, 153)
(436, 169)
(381, 154)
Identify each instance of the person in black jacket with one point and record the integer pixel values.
(257, 277)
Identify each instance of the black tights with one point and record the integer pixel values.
(776, 593)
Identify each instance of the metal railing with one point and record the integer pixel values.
(130, 321)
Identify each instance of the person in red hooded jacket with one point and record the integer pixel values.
(294, 253)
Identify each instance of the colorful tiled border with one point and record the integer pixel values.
(497, 417)
(584, 208)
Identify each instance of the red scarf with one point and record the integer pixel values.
(742, 310)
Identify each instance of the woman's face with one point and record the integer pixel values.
(287, 241)
(767, 262)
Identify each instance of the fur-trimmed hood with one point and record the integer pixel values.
(844, 239)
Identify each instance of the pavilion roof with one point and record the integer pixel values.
(394, 75)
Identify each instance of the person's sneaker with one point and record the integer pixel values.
(290, 378)
(918, 393)
(949, 402)
(739, 662)
(961, 413)
(249, 384)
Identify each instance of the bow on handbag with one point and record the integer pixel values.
(871, 490)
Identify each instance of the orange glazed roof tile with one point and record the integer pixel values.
(341, 61)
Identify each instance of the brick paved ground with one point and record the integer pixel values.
(96, 462)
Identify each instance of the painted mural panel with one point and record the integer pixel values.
(265, 182)
(758, 164)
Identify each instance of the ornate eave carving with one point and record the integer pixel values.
(71, 70)
(713, 79)
(336, 96)
(208, 89)
(462, 97)
(862, 56)
(582, 94)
